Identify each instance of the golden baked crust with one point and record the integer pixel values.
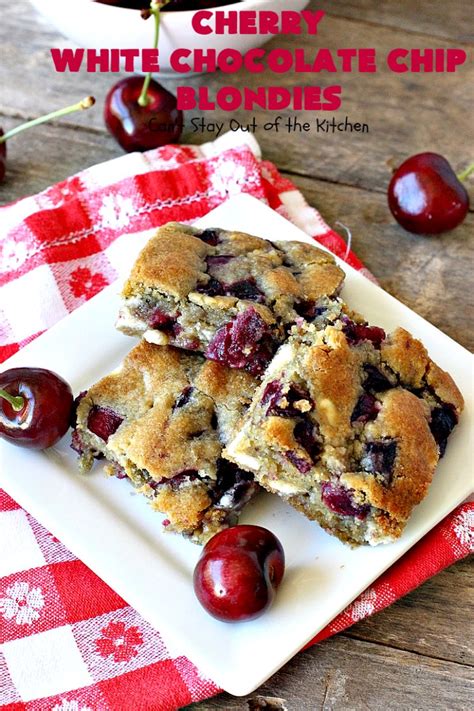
(348, 426)
(406, 356)
(161, 420)
(404, 419)
(187, 285)
(172, 262)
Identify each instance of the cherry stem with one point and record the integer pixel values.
(81, 105)
(466, 173)
(16, 401)
(349, 239)
(155, 7)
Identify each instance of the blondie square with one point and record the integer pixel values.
(229, 295)
(348, 426)
(161, 421)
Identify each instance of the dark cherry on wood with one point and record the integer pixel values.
(426, 197)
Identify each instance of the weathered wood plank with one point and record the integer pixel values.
(344, 674)
(433, 620)
(436, 19)
(405, 113)
(48, 154)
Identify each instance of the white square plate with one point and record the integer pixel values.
(117, 535)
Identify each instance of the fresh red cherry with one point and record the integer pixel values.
(137, 127)
(239, 572)
(80, 106)
(35, 407)
(426, 196)
(140, 113)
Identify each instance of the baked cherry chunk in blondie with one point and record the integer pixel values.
(348, 426)
(228, 295)
(161, 421)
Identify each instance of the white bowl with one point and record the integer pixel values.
(94, 25)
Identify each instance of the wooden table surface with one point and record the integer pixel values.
(418, 653)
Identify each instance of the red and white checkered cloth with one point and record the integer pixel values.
(67, 641)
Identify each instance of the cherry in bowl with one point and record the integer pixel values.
(171, 5)
(35, 407)
(239, 572)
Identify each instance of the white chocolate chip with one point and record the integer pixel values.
(157, 337)
(216, 302)
(127, 320)
(303, 405)
(283, 487)
(328, 408)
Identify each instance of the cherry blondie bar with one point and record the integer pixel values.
(161, 421)
(348, 426)
(229, 295)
